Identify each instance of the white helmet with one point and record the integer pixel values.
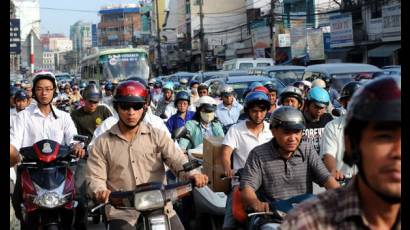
(151, 81)
(208, 102)
(318, 82)
(226, 89)
(183, 81)
(307, 83)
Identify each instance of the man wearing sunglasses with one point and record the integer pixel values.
(131, 153)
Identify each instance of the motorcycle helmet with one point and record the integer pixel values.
(20, 95)
(256, 98)
(168, 86)
(319, 96)
(226, 90)
(287, 117)
(262, 89)
(318, 83)
(291, 91)
(130, 91)
(270, 86)
(92, 93)
(44, 75)
(207, 102)
(183, 81)
(378, 100)
(182, 95)
(349, 89)
(193, 82)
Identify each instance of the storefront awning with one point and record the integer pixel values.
(384, 50)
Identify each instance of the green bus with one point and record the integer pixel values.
(115, 63)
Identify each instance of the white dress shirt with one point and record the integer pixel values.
(31, 126)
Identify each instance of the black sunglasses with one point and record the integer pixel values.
(134, 106)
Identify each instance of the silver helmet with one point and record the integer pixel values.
(287, 117)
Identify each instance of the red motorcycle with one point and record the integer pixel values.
(44, 194)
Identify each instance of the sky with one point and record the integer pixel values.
(67, 12)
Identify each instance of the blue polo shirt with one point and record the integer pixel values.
(176, 121)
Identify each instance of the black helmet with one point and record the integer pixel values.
(182, 95)
(349, 89)
(378, 100)
(20, 95)
(291, 91)
(92, 93)
(287, 117)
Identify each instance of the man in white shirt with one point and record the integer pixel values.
(332, 142)
(42, 121)
(241, 138)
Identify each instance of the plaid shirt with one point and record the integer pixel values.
(334, 209)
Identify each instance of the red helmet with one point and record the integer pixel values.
(262, 89)
(131, 91)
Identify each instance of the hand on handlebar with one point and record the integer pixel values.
(102, 196)
(78, 150)
(200, 179)
(337, 175)
(229, 173)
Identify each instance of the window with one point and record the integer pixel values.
(376, 9)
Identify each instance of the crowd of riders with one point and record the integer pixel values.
(304, 138)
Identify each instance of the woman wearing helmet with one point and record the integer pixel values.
(291, 96)
(204, 124)
(316, 117)
(182, 115)
(132, 153)
(373, 143)
(229, 110)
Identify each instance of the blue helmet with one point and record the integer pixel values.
(108, 87)
(319, 96)
(21, 95)
(256, 97)
(169, 85)
(193, 82)
(182, 95)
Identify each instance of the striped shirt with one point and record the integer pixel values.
(334, 209)
(267, 172)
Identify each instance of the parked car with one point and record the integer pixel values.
(63, 77)
(246, 63)
(286, 73)
(240, 84)
(175, 77)
(392, 70)
(338, 73)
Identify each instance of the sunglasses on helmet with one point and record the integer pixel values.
(128, 105)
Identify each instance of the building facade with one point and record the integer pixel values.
(118, 25)
(81, 37)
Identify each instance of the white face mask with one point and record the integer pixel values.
(194, 90)
(207, 117)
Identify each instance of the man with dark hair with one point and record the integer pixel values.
(372, 139)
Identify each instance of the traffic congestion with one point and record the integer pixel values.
(236, 151)
(205, 115)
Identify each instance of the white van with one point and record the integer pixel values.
(247, 63)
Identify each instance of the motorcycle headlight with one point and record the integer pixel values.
(148, 200)
(50, 200)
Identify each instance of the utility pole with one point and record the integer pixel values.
(159, 40)
(201, 36)
(272, 35)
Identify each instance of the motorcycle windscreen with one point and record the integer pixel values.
(48, 178)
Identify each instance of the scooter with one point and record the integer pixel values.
(44, 194)
(208, 206)
(150, 199)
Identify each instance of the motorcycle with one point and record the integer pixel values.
(45, 191)
(150, 199)
(205, 208)
(263, 220)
